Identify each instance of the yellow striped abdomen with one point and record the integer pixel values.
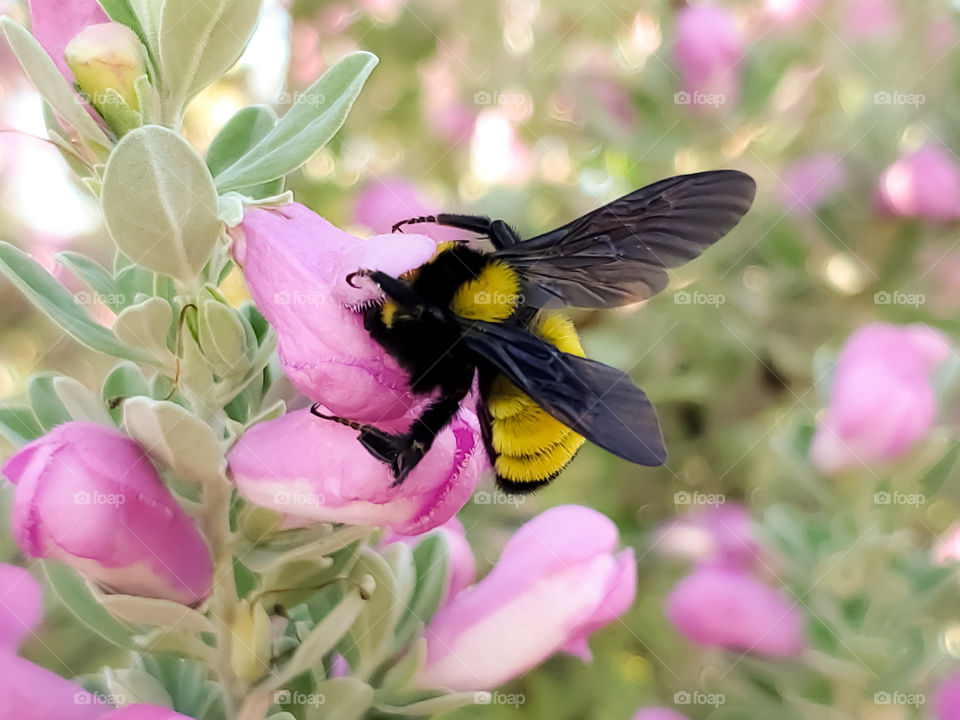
(530, 445)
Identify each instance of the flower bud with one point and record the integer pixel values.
(924, 184)
(558, 580)
(107, 56)
(251, 643)
(90, 497)
(463, 566)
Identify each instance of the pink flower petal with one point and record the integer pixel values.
(55, 23)
(21, 606)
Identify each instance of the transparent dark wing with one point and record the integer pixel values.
(618, 254)
(598, 401)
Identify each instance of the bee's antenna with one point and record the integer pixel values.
(349, 423)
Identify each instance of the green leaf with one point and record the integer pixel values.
(155, 611)
(147, 325)
(50, 83)
(343, 698)
(199, 42)
(19, 425)
(94, 276)
(370, 640)
(47, 407)
(133, 281)
(241, 132)
(307, 127)
(49, 296)
(120, 117)
(77, 598)
(80, 403)
(159, 203)
(435, 706)
(126, 380)
(122, 11)
(433, 577)
(934, 478)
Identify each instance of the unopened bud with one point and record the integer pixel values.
(107, 56)
(250, 649)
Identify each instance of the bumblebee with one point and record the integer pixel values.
(491, 317)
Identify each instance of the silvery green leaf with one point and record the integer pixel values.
(172, 435)
(434, 706)
(401, 675)
(122, 11)
(147, 325)
(399, 557)
(199, 42)
(245, 129)
(322, 638)
(155, 612)
(343, 698)
(147, 13)
(186, 682)
(307, 126)
(133, 281)
(433, 578)
(58, 137)
(49, 296)
(77, 598)
(94, 276)
(128, 686)
(269, 413)
(47, 407)
(50, 83)
(126, 380)
(370, 640)
(230, 209)
(148, 99)
(222, 338)
(159, 203)
(79, 402)
(120, 117)
(19, 425)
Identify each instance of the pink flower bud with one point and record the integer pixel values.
(924, 184)
(946, 699)
(721, 535)
(107, 56)
(558, 580)
(295, 264)
(869, 20)
(882, 400)
(303, 466)
(463, 566)
(729, 609)
(811, 182)
(708, 49)
(55, 22)
(658, 713)
(89, 496)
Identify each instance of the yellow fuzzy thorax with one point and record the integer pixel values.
(492, 296)
(531, 445)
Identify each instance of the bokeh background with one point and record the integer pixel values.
(538, 110)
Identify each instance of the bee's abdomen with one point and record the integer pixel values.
(529, 445)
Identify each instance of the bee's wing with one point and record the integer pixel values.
(596, 400)
(618, 254)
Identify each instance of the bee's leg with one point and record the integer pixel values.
(379, 443)
(500, 234)
(438, 414)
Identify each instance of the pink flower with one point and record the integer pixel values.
(947, 548)
(924, 184)
(870, 19)
(463, 566)
(30, 692)
(385, 202)
(558, 580)
(882, 400)
(946, 699)
(55, 23)
(658, 713)
(304, 466)
(721, 535)
(729, 609)
(295, 264)
(89, 496)
(811, 182)
(708, 49)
